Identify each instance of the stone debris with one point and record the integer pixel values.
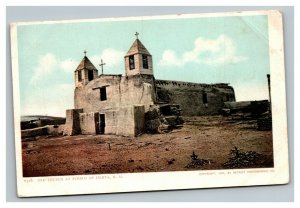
(163, 118)
(30, 122)
(240, 159)
(250, 108)
(52, 130)
(265, 123)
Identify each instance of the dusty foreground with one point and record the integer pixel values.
(210, 138)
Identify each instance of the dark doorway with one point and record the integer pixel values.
(79, 76)
(131, 62)
(90, 75)
(102, 124)
(204, 98)
(103, 93)
(145, 62)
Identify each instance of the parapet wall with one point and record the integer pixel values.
(181, 84)
(194, 99)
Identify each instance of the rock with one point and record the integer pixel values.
(152, 126)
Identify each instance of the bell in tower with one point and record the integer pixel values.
(85, 72)
(138, 60)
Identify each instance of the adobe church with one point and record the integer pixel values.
(121, 105)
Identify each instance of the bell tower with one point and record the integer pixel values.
(138, 60)
(85, 72)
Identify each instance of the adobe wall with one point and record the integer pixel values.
(190, 96)
(87, 122)
(111, 121)
(126, 121)
(120, 90)
(72, 126)
(39, 131)
(53, 130)
(139, 120)
(130, 121)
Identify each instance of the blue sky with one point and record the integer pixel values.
(205, 50)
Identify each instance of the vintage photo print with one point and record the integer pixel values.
(149, 103)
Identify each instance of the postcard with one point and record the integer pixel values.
(127, 104)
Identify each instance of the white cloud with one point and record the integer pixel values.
(46, 65)
(52, 101)
(49, 63)
(56, 99)
(110, 56)
(213, 52)
(68, 65)
(169, 58)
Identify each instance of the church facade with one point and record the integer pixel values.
(116, 104)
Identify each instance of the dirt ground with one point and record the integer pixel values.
(211, 138)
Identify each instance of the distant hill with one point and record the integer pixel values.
(39, 117)
(34, 121)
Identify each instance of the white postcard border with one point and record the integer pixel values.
(129, 182)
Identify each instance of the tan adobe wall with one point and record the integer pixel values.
(190, 96)
(87, 122)
(126, 121)
(130, 121)
(121, 92)
(72, 126)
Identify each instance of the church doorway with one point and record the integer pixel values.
(101, 123)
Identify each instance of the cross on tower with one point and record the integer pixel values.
(101, 65)
(84, 52)
(137, 35)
